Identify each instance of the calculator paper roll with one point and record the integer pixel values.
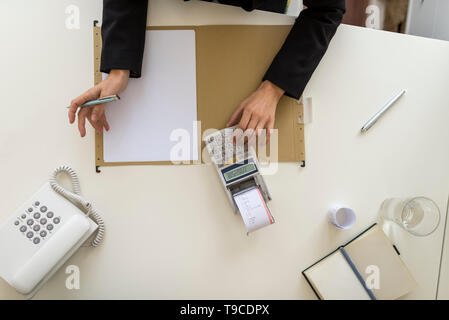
(253, 209)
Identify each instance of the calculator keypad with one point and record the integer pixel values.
(37, 222)
(222, 149)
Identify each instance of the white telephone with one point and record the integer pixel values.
(38, 238)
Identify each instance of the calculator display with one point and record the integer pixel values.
(240, 171)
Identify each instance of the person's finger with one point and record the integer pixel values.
(82, 121)
(91, 94)
(270, 128)
(252, 123)
(246, 116)
(72, 112)
(235, 116)
(97, 112)
(97, 125)
(260, 126)
(105, 122)
(250, 131)
(241, 127)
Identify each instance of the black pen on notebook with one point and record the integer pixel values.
(99, 101)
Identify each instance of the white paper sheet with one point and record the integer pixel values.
(161, 101)
(253, 209)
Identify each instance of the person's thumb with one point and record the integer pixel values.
(97, 112)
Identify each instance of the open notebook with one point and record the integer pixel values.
(349, 273)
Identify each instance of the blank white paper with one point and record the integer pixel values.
(153, 106)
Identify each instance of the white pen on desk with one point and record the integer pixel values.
(379, 113)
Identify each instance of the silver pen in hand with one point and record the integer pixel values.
(99, 101)
(387, 106)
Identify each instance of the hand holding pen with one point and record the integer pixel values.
(93, 111)
(96, 102)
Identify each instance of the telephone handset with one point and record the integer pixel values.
(39, 237)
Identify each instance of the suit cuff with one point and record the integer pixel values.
(292, 89)
(115, 60)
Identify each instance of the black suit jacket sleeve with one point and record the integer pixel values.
(305, 45)
(123, 35)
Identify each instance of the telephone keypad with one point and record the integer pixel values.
(37, 220)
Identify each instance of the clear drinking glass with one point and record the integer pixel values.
(418, 215)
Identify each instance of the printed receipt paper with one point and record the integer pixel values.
(253, 209)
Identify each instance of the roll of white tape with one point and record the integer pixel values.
(342, 217)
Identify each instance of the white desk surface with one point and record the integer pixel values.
(170, 230)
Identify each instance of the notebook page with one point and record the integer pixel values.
(334, 279)
(153, 106)
(375, 249)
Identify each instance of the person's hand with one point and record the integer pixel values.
(114, 84)
(257, 112)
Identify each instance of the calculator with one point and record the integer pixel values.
(236, 165)
(221, 148)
